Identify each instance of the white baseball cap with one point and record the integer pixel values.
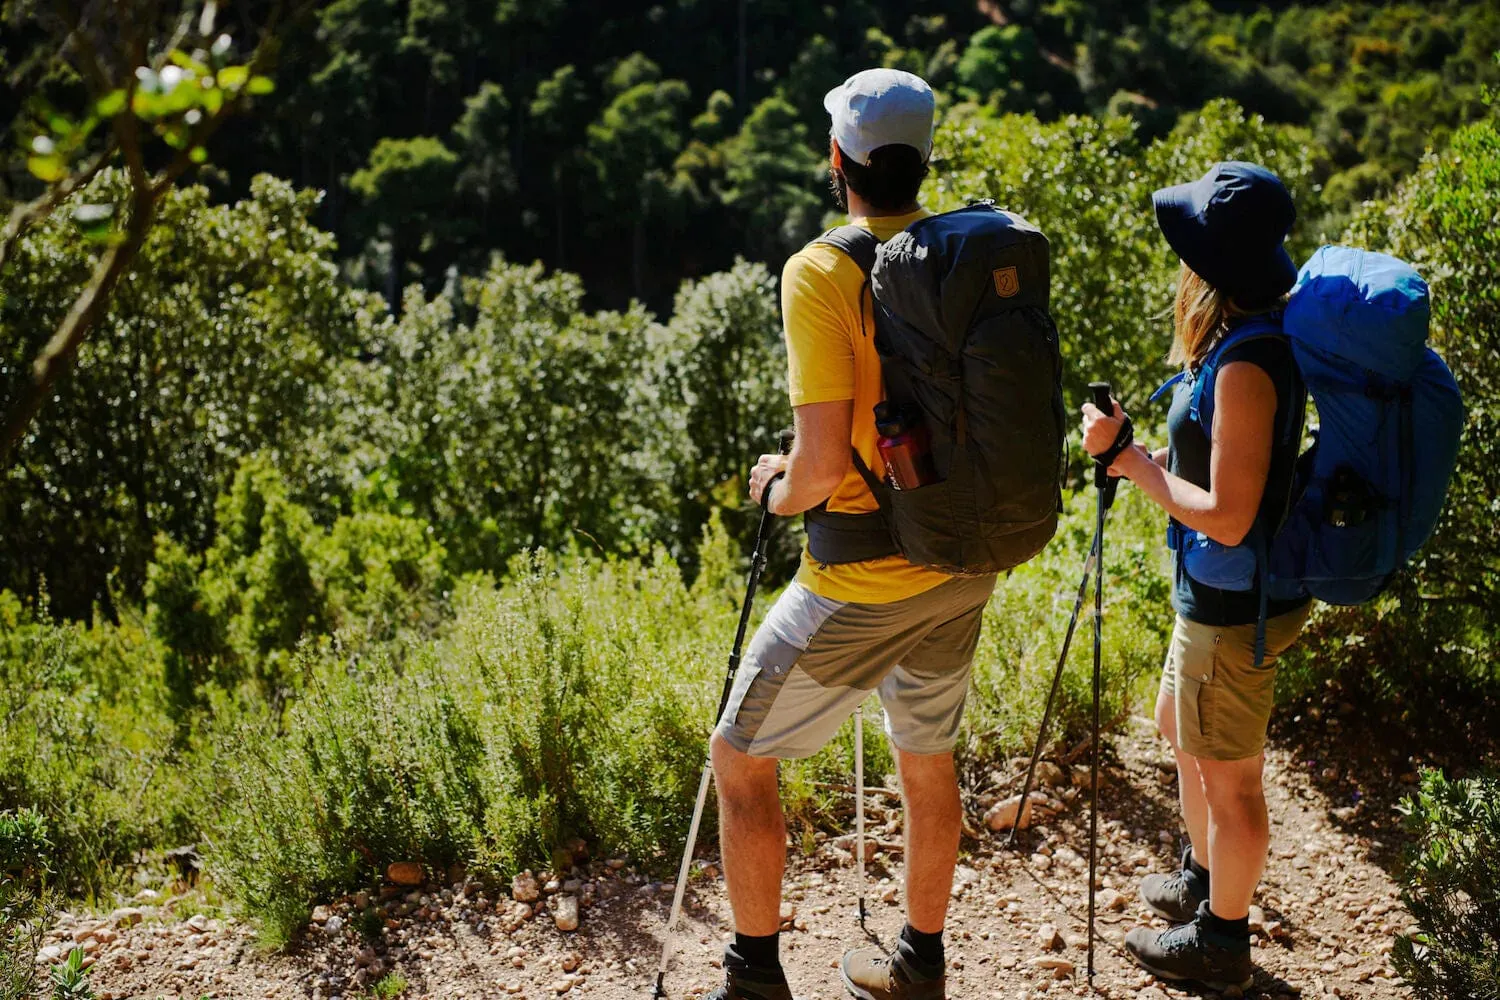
(881, 107)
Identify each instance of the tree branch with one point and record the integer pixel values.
(85, 312)
(26, 215)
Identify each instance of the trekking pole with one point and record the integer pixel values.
(1062, 659)
(757, 566)
(859, 806)
(1106, 496)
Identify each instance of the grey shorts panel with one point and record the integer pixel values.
(924, 696)
(813, 661)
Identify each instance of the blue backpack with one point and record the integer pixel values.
(1368, 492)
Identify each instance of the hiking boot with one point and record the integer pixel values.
(738, 987)
(1175, 897)
(1190, 951)
(872, 974)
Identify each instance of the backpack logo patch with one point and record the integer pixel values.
(1007, 281)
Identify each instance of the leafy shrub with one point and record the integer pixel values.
(1451, 885)
(273, 577)
(87, 745)
(25, 859)
(233, 334)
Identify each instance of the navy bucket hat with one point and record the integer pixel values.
(1228, 226)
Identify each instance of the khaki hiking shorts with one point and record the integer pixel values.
(814, 660)
(1223, 701)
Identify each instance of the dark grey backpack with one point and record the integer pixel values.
(964, 336)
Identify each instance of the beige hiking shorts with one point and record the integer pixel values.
(1222, 700)
(814, 660)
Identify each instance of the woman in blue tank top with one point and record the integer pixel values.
(1216, 694)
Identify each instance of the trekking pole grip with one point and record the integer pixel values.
(1103, 400)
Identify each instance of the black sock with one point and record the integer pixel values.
(926, 948)
(756, 958)
(1239, 930)
(1196, 868)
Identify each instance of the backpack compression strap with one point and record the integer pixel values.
(835, 538)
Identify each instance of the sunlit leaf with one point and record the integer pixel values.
(198, 155)
(110, 104)
(260, 85)
(233, 77)
(187, 62)
(47, 168)
(94, 221)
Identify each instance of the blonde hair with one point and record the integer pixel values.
(1200, 316)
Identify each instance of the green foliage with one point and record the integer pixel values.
(25, 915)
(70, 980)
(87, 744)
(390, 986)
(25, 848)
(1451, 885)
(274, 577)
(536, 424)
(724, 369)
(232, 336)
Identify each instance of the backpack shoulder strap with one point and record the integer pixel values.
(857, 242)
(1202, 407)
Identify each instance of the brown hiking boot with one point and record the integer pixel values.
(871, 974)
(737, 987)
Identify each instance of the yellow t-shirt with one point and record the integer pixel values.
(830, 346)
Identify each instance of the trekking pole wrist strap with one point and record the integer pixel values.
(1124, 439)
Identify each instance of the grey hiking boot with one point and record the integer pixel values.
(738, 987)
(872, 974)
(1190, 951)
(1175, 897)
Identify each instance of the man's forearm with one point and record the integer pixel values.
(799, 490)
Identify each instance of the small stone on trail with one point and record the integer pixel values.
(1050, 940)
(404, 873)
(524, 888)
(1111, 901)
(334, 925)
(1054, 962)
(1050, 775)
(1002, 815)
(127, 916)
(565, 912)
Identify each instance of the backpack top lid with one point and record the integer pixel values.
(1364, 307)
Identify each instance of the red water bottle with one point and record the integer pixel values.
(905, 447)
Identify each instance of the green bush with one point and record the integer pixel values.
(88, 744)
(1451, 884)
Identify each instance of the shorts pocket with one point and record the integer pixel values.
(1197, 661)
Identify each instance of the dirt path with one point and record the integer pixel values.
(1328, 900)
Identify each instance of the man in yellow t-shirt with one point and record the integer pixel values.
(842, 630)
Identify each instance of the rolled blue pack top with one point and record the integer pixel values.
(1369, 490)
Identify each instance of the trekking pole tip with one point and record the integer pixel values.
(660, 993)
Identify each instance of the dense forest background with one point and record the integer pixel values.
(394, 505)
(638, 144)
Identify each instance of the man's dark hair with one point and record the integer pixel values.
(890, 181)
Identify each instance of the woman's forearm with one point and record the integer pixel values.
(1194, 506)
